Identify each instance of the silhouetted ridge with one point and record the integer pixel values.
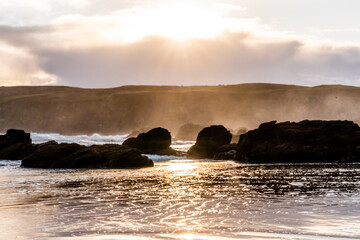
(124, 109)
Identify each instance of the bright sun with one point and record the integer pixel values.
(185, 21)
(179, 21)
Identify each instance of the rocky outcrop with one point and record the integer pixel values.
(118, 156)
(15, 145)
(306, 141)
(188, 132)
(226, 152)
(155, 141)
(65, 155)
(208, 141)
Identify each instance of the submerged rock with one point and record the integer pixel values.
(209, 140)
(15, 145)
(306, 141)
(155, 141)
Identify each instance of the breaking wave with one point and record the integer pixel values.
(80, 139)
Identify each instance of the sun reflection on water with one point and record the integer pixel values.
(191, 236)
(182, 199)
(183, 166)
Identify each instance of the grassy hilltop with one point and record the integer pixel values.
(70, 110)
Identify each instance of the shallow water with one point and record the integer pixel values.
(181, 199)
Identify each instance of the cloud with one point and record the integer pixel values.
(19, 67)
(85, 51)
(231, 59)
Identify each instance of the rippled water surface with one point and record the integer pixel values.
(181, 199)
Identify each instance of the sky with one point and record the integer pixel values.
(110, 43)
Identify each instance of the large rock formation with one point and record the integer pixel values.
(16, 145)
(306, 141)
(155, 141)
(65, 155)
(208, 141)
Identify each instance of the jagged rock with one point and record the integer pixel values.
(155, 141)
(188, 132)
(208, 141)
(306, 141)
(226, 152)
(15, 144)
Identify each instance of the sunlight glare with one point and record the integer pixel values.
(180, 21)
(185, 21)
(183, 166)
(190, 236)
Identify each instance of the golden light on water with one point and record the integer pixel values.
(183, 166)
(191, 236)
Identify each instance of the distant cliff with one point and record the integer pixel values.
(70, 110)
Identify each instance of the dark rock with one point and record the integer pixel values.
(208, 141)
(306, 141)
(65, 155)
(188, 132)
(226, 152)
(18, 135)
(15, 144)
(155, 141)
(118, 156)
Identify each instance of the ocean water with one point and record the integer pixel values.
(179, 199)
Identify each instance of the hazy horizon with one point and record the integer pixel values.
(182, 86)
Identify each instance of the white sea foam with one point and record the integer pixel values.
(161, 158)
(10, 163)
(182, 146)
(80, 139)
(100, 139)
